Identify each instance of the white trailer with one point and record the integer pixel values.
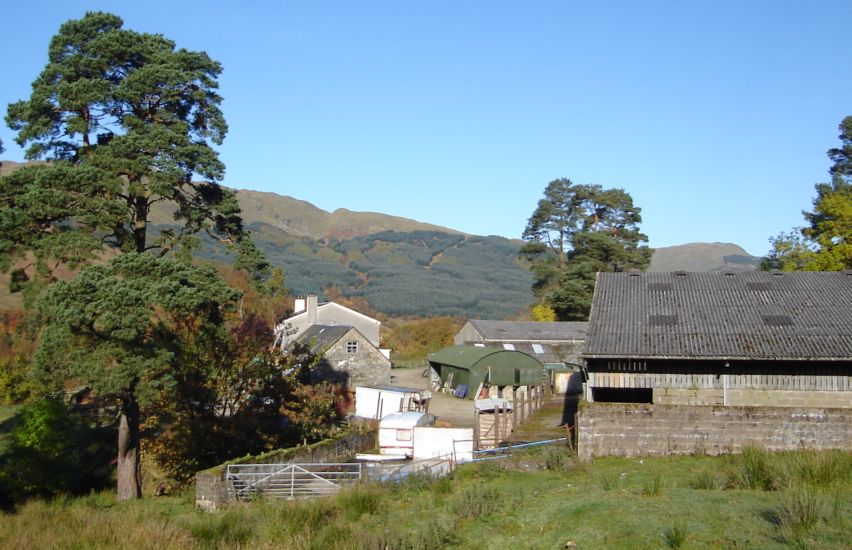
(396, 432)
(376, 402)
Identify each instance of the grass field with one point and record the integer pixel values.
(538, 500)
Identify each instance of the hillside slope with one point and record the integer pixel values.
(702, 257)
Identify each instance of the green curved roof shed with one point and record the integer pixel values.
(472, 365)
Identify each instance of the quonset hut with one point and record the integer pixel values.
(471, 367)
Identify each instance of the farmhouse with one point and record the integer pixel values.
(682, 363)
(721, 338)
(309, 312)
(347, 357)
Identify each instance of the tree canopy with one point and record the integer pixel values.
(576, 231)
(139, 116)
(117, 329)
(125, 120)
(825, 244)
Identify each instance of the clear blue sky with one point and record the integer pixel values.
(715, 116)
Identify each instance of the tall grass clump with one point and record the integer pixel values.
(653, 486)
(362, 500)
(754, 470)
(708, 481)
(821, 469)
(608, 481)
(476, 502)
(675, 536)
(801, 507)
(230, 528)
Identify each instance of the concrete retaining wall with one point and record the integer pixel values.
(212, 490)
(615, 429)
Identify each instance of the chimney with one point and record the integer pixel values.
(312, 309)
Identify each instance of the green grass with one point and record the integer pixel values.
(655, 503)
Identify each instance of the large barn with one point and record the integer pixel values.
(709, 363)
(722, 338)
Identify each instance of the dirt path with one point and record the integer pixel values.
(455, 412)
(551, 421)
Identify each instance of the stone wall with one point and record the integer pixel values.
(212, 489)
(616, 429)
(366, 367)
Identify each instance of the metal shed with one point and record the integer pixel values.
(472, 366)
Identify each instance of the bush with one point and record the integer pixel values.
(51, 452)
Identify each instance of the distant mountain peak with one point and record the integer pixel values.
(702, 257)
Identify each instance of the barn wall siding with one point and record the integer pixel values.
(741, 390)
(610, 429)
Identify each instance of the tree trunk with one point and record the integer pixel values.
(129, 474)
(140, 222)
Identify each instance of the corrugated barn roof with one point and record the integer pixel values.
(557, 331)
(742, 315)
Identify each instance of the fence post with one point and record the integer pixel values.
(531, 404)
(476, 420)
(514, 410)
(497, 426)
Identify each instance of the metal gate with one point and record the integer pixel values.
(290, 480)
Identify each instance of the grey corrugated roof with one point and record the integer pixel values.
(550, 353)
(748, 315)
(533, 331)
(319, 338)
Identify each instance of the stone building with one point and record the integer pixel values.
(347, 357)
(721, 338)
(309, 312)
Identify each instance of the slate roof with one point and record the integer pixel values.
(533, 331)
(321, 337)
(742, 315)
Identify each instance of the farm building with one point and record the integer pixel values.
(721, 338)
(557, 345)
(710, 363)
(557, 342)
(347, 356)
(309, 312)
(466, 368)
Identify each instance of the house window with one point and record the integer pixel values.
(352, 347)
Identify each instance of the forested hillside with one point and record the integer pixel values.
(418, 273)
